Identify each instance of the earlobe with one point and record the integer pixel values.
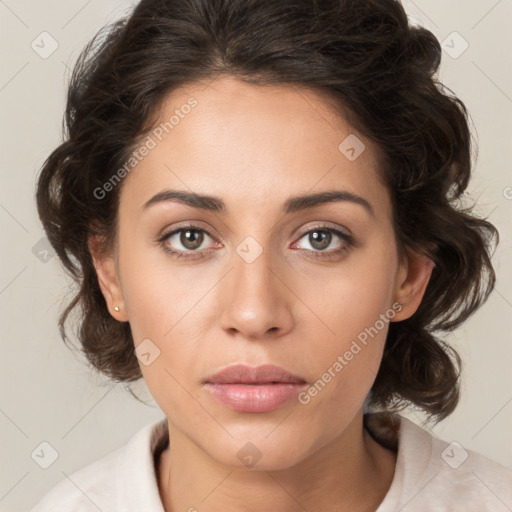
(108, 281)
(413, 279)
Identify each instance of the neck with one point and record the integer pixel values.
(335, 477)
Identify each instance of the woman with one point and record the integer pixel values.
(259, 202)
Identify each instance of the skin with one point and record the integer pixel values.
(254, 147)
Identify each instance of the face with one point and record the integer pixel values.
(309, 287)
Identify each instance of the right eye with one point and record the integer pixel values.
(190, 237)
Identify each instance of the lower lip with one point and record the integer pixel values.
(255, 397)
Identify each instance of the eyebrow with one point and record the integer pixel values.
(292, 204)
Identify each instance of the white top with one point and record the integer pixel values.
(430, 475)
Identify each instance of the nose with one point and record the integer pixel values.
(256, 299)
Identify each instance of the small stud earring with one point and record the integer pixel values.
(116, 308)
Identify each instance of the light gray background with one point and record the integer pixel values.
(48, 394)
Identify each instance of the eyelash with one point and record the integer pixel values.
(349, 242)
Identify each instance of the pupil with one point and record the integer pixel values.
(325, 237)
(191, 238)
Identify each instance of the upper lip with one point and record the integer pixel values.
(243, 374)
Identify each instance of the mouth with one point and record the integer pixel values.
(260, 389)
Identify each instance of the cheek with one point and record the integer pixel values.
(349, 296)
(165, 305)
(353, 305)
(156, 292)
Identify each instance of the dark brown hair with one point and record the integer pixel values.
(379, 68)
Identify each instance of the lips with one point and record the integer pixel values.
(261, 389)
(265, 374)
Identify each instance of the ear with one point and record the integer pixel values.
(412, 280)
(108, 280)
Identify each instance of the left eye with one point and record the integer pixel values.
(320, 239)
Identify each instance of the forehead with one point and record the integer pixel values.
(252, 145)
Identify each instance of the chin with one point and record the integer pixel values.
(258, 454)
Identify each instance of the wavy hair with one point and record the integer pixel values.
(377, 67)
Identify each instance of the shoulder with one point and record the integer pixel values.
(122, 478)
(87, 489)
(465, 477)
(434, 474)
